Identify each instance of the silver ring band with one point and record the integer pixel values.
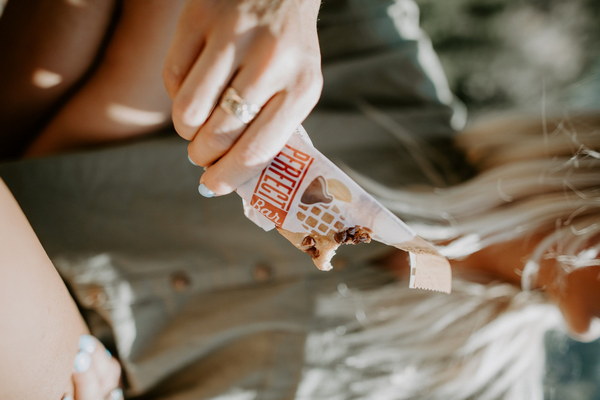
(235, 105)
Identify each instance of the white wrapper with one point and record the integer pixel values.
(302, 193)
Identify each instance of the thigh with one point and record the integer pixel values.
(47, 46)
(125, 96)
(39, 321)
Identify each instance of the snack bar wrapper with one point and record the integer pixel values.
(317, 207)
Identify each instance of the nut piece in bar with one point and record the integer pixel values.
(354, 235)
(322, 248)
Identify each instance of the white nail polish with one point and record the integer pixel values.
(116, 394)
(204, 191)
(83, 361)
(192, 162)
(87, 343)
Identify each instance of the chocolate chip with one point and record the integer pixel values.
(313, 251)
(340, 237)
(308, 241)
(362, 237)
(353, 235)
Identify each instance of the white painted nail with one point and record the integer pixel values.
(204, 191)
(83, 361)
(116, 394)
(87, 343)
(192, 162)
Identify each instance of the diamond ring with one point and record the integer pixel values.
(235, 105)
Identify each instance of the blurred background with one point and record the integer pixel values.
(518, 54)
(540, 57)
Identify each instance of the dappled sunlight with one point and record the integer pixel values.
(134, 116)
(45, 79)
(77, 3)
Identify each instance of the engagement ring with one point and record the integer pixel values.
(234, 104)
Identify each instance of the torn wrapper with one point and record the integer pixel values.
(317, 207)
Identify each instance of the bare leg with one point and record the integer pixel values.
(47, 46)
(125, 97)
(40, 324)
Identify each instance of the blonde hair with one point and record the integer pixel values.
(484, 341)
(532, 177)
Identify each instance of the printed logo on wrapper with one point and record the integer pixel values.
(279, 183)
(328, 203)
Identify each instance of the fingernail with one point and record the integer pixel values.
(116, 394)
(67, 397)
(192, 162)
(108, 353)
(83, 361)
(204, 191)
(87, 343)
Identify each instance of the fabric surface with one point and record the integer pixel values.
(195, 299)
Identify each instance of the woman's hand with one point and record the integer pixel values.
(96, 373)
(268, 51)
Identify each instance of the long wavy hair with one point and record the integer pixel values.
(486, 340)
(532, 176)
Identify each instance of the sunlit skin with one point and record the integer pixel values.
(71, 89)
(125, 97)
(40, 323)
(577, 294)
(36, 74)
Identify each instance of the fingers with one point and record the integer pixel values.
(285, 89)
(202, 87)
(85, 382)
(261, 141)
(108, 371)
(185, 48)
(276, 62)
(223, 128)
(96, 373)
